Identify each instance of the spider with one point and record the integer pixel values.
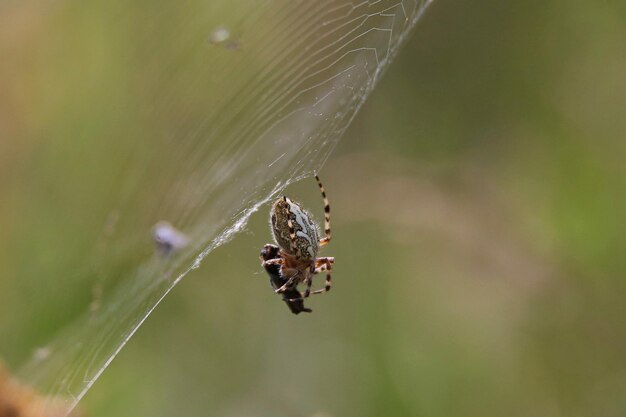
(297, 237)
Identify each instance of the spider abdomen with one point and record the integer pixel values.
(306, 242)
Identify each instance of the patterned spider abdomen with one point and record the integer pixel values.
(306, 241)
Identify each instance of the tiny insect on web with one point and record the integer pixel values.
(294, 260)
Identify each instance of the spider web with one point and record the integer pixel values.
(216, 109)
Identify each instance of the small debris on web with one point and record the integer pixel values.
(17, 400)
(168, 239)
(41, 353)
(222, 36)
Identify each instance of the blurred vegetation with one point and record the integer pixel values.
(478, 205)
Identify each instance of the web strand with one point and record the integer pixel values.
(254, 118)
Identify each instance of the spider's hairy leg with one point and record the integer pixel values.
(275, 261)
(322, 268)
(287, 284)
(309, 284)
(326, 239)
(327, 286)
(325, 260)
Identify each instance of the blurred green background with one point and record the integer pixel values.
(478, 205)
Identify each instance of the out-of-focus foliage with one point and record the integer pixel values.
(478, 208)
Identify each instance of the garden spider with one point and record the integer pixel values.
(298, 241)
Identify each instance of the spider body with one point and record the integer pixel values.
(291, 296)
(305, 245)
(298, 240)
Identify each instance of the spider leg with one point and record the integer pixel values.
(275, 261)
(287, 284)
(328, 260)
(327, 287)
(324, 267)
(326, 239)
(307, 292)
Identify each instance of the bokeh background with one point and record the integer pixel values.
(478, 213)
